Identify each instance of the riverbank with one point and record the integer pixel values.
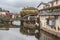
(15, 26)
(4, 28)
(10, 26)
(51, 31)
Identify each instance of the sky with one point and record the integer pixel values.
(15, 6)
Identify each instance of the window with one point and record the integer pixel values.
(56, 17)
(32, 19)
(56, 1)
(50, 22)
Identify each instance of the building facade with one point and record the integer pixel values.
(50, 16)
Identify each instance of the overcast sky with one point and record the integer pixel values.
(16, 5)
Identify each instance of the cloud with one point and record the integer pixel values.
(17, 5)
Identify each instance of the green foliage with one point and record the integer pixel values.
(3, 20)
(28, 11)
(24, 30)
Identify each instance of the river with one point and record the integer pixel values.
(14, 34)
(46, 36)
(16, 22)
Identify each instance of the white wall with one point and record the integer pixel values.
(2, 13)
(41, 7)
(43, 22)
(57, 23)
(57, 3)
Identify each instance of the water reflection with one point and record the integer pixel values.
(22, 34)
(47, 36)
(16, 22)
(14, 34)
(27, 31)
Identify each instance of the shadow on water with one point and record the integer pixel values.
(46, 36)
(23, 30)
(27, 31)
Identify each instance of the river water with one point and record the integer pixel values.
(14, 34)
(16, 22)
(46, 36)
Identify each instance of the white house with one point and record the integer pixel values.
(50, 19)
(2, 13)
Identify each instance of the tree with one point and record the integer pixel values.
(28, 11)
(3, 20)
